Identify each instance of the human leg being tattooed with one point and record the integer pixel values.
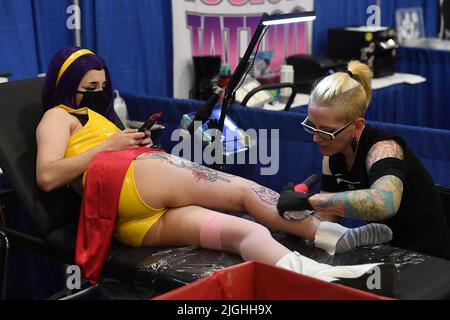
(164, 180)
(182, 183)
(252, 241)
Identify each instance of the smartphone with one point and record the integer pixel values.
(150, 122)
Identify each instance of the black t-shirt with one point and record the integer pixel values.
(420, 223)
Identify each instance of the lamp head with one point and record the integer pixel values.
(274, 19)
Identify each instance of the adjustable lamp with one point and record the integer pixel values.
(240, 71)
(208, 114)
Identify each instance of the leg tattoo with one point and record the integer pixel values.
(198, 171)
(266, 195)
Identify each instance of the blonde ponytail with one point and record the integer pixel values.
(363, 75)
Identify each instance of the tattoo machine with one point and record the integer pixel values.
(304, 187)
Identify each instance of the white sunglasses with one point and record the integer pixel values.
(321, 133)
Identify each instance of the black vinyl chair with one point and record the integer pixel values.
(54, 215)
(444, 193)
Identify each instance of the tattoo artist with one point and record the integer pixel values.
(368, 174)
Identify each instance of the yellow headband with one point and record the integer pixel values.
(74, 56)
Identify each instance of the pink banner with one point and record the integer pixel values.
(224, 28)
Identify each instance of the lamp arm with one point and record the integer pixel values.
(239, 72)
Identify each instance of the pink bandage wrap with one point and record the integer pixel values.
(210, 231)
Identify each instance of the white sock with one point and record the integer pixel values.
(334, 238)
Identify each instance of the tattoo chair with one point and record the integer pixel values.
(145, 272)
(54, 215)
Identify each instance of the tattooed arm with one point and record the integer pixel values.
(380, 202)
(327, 175)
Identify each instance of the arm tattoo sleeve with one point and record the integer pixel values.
(381, 150)
(380, 202)
(199, 172)
(265, 194)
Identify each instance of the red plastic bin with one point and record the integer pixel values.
(258, 281)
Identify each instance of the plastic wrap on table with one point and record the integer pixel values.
(368, 254)
(175, 267)
(418, 276)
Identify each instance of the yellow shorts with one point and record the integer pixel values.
(134, 216)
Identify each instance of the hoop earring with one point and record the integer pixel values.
(354, 145)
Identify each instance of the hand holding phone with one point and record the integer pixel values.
(150, 122)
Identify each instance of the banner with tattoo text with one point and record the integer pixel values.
(225, 27)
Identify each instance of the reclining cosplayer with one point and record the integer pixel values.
(143, 196)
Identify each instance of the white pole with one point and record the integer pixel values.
(441, 17)
(379, 3)
(77, 31)
(381, 12)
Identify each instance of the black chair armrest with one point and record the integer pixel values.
(6, 194)
(4, 248)
(444, 193)
(273, 86)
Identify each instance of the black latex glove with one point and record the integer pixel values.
(293, 201)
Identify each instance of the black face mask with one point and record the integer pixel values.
(97, 101)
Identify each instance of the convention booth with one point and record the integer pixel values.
(149, 272)
(178, 64)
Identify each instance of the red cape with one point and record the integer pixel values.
(99, 208)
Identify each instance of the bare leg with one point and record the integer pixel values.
(164, 180)
(181, 227)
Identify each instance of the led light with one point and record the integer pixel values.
(269, 20)
(289, 20)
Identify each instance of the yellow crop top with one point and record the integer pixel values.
(96, 130)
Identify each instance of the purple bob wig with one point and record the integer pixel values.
(64, 92)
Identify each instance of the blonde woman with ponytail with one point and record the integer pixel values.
(368, 174)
